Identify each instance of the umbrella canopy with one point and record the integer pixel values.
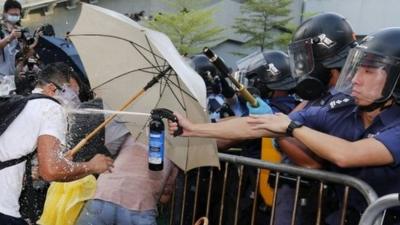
(121, 57)
(54, 49)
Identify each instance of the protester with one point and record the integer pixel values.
(9, 34)
(127, 195)
(42, 125)
(130, 194)
(359, 132)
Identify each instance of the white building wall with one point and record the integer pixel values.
(366, 16)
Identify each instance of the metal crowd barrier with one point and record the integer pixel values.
(197, 196)
(377, 208)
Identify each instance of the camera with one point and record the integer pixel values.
(46, 29)
(26, 36)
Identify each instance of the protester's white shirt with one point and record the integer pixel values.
(39, 117)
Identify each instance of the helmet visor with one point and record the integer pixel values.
(368, 77)
(255, 66)
(301, 58)
(251, 64)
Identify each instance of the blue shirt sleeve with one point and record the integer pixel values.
(312, 117)
(391, 139)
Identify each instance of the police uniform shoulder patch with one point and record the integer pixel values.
(340, 102)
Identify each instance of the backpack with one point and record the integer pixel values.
(11, 106)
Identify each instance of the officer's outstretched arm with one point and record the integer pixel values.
(235, 128)
(343, 153)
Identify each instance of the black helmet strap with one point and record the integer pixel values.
(375, 105)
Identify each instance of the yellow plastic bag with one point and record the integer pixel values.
(65, 200)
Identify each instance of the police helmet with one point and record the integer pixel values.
(378, 57)
(319, 44)
(268, 71)
(202, 65)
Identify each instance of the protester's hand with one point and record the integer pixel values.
(262, 108)
(277, 123)
(15, 34)
(183, 122)
(68, 155)
(100, 163)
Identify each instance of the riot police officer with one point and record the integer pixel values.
(317, 53)
(269, 72)
(357, 131)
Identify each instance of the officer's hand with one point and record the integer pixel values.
(277, 123)
(183, 122)
(100, 163)
(262, 108)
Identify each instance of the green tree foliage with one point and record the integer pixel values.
(265, 23)
(189, 27)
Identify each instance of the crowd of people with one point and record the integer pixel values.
(329, 103)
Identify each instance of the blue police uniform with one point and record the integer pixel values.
(340, 118)
(285, 198)
(214, 102)
(283, 104)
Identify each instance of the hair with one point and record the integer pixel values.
(57, 73)
(11, 4)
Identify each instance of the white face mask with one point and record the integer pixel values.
(13, 19)
(68, 97)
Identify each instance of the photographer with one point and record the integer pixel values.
(27, 70)
(9, 34)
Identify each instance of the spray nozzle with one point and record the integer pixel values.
(161, 113)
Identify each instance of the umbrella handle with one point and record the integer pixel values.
(78, 147)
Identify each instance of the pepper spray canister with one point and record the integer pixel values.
(156, 144)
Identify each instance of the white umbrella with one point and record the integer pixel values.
(121, 57)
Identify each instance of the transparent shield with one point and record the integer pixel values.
(368, 77)
(301, 58)
(250, 64)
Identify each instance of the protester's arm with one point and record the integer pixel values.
(343, 153)
(54, 167)
(8, 38)
(236, 128)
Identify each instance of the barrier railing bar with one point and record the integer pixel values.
(253, 213)
(368, 193)
(209, 192)
(221, 212)
(272, 220)
(239, 189)
(320, 199)
(196, 193)
(344, 208)
(374, 211)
